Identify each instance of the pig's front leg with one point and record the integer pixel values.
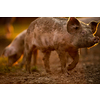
(28, 56)
(46, 60)
(62, 56)
(28, 61)
(35, 53)
(75, 57)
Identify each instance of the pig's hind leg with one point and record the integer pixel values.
(34, 58)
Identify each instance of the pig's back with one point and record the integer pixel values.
(47, 25)
(18, 42)
(45, 31)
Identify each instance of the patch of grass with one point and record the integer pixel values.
(3, 61)
(4, 68)
(34, 69)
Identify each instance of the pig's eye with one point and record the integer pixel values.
(76, 28)
(83, 33)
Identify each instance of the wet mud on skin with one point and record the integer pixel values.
(86, 72)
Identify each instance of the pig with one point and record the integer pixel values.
(59, 34)
(15, 49)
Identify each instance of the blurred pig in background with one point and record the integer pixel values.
(15, 49)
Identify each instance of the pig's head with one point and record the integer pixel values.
(83, 34)
(9, 51)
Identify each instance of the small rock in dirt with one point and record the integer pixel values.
(90, 80)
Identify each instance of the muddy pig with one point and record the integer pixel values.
(48, 34)
(15, 49)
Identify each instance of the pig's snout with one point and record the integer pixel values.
(96, 39)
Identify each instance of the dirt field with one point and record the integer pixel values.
(86, 72)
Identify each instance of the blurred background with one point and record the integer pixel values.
(11, 26)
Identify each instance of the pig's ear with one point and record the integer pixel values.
(73, 25)
(93, 25)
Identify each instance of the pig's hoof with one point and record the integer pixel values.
(66, 73)
(34, 69)
(63, 70)
(30, 72)
(70, 67)
(48, 71)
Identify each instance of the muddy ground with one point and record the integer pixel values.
(86, 72)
